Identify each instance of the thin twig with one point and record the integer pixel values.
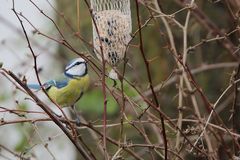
(213, 108)
(150, 81)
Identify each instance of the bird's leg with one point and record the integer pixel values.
(78, 122)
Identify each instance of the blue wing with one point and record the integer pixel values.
(49, 84)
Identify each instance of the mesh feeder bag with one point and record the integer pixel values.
(113, 22)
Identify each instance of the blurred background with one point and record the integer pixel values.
(210, 62)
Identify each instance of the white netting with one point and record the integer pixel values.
(113, 21)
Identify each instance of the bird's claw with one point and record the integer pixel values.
(78, 122)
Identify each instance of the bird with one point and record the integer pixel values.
(70, 88)
(113, 34)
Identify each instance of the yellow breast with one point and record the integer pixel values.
(71, 93)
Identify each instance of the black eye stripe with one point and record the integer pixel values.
(78, 63)
(75, 64)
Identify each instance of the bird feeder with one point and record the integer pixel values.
(112, 26)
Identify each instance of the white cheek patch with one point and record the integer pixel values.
(69, 66)
(77, 70)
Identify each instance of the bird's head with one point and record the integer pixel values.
(76, 68)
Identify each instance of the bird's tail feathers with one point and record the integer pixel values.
(34, 86)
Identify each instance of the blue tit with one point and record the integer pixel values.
(69, 89)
